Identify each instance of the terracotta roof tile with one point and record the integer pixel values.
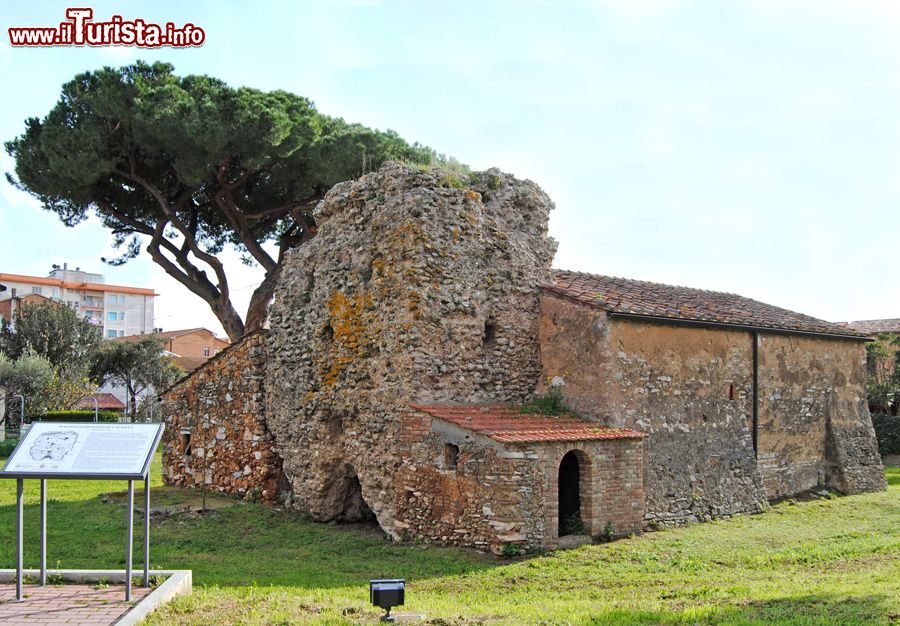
(105, 401)
(646, 299)
(874, 327)
(168, 334)
(508, 424)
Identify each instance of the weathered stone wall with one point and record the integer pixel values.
(689, 389)
(500, 494)
(418, 287)
(814, 425)
(216, 429)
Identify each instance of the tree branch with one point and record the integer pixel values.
(225, 202)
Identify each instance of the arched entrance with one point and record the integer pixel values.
(571, 521)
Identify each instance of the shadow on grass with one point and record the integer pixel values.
(806, 610)
(246, 544)
(892, 473)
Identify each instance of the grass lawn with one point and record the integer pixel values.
(829, 561)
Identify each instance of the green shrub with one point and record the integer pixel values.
(6, 446)
(511, 549)
(550, 404)
(81, 415)
(887, 432)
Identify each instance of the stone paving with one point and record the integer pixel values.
(69, 604)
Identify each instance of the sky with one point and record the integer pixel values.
(749, 147)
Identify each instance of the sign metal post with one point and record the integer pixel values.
(19, 526)
(43, 531)
(147, 530)
(129, 535)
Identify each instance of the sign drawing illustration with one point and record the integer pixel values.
(53, 445)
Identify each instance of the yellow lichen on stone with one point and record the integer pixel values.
(348, 327)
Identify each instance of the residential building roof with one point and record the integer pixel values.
(874, 327)
(637, 298)
(56, 282)
(507, 424)
(105, 402)
(168, 334)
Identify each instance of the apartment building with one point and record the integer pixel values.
(120, 310)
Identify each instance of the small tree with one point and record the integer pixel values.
(30, 376)
(883, 380)
(138, 365)
(54, 331)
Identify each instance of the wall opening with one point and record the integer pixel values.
(353, 506)
(490, 333)
(186, 444)
(328, 333)
(570, 481)
(451, 456)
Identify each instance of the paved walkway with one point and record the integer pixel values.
(80, 605)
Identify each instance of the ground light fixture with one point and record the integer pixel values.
(387, 593)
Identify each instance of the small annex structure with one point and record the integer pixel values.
(407, 340)
(498, 468)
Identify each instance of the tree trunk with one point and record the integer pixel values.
(257, 310)
(229, 318)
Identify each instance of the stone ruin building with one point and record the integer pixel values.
(406, 337)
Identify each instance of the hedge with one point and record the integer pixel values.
(887, 432)
(82, 415)
(6, 446)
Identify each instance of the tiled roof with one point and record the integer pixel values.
(167, 334)
(873, 327)
(508, 424)
(105, 401)
(655, 300)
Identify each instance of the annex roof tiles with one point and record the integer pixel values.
(507, 424)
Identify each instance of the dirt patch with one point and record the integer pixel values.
(166, 500)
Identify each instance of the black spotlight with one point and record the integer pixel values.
(387, 594)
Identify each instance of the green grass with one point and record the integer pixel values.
(830, 561)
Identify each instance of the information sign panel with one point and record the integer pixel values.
(84, 450)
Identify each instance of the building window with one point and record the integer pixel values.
(121, 316)
(37, 290)
(205, 351)
(186, 444)
(110, 334)
(121, 333)
(111, 298)
(451, 456)
(112, 316)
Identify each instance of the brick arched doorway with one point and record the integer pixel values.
(574, 474)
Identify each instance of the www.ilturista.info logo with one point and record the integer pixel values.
(79, 30)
